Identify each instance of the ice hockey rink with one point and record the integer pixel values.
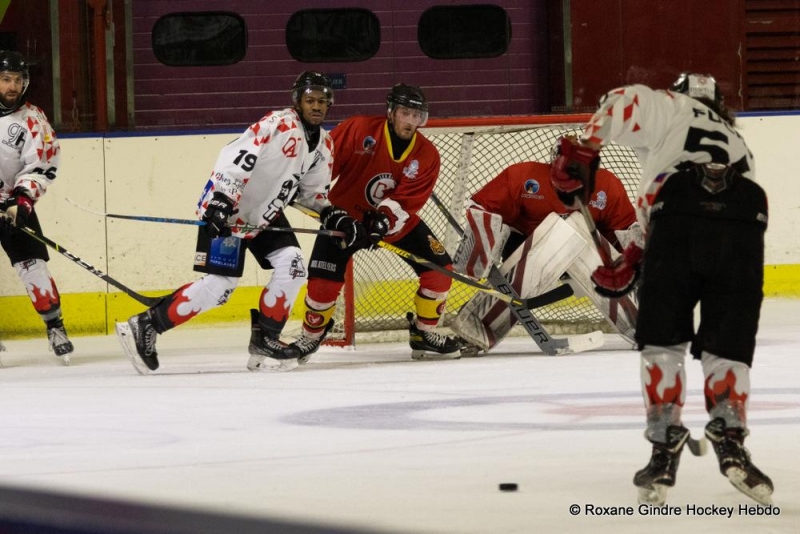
(368, 440)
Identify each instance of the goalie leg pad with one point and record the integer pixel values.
(482, 243)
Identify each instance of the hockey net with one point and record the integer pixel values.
(380, 287)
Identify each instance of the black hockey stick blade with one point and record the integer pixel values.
(549, 297)
(698, 447)
(147, 301)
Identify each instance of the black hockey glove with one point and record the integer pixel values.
(377, 225)
(219, 209)
(18, 208)
(355, 235)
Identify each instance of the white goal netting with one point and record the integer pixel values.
(384, 286)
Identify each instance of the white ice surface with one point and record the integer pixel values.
(373, 439)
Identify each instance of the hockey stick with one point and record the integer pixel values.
(603, 249)
(147, 301)
(549, 345)
(195, 222)
(535, 302)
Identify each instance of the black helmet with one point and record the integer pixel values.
(11, 61)
(410, 96)
(698, 86)
(312, 81)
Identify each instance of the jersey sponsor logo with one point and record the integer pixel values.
(601, 202)
(324, 265)
(200, 259)
(436, 245)
(532, 187)
(368, 145)
(16, 136)
(412, 170)
(379, 187)
(290, 147)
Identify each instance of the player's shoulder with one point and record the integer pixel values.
(28, 111)
(287, 118)
(605, 176)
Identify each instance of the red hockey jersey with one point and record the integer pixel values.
(523, 195)
(367, 174)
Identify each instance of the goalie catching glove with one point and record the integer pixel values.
(355, 235)
(617, 279)
(572, 171)
(219, 209)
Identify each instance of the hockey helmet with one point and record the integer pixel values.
(312, 81)
(409, 96)
(11, 61)
(698, 86)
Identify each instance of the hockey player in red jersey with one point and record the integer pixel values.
(28, 166)
(504, 214)
(704, 218)
(286, 156)
(384, 172)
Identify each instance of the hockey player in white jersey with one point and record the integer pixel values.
(705, 218)
(286, 156)
(29, 160)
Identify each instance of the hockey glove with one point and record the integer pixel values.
(219, 209)
(617, 279)
(377, 225)
(573, 171)
(355, 235)
(19, 208)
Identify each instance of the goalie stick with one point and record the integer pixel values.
(548, 344)
(605, 256)
(195, 222)
(147, 301)
(535, 302)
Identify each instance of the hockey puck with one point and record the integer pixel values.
(508, 486)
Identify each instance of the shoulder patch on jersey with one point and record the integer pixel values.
(601, 200)
(412, 170)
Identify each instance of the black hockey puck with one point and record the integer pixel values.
(508, 486)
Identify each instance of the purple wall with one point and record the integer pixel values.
(168, 98)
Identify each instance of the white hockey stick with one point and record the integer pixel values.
(548, 344)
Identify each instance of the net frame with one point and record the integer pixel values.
(380, 287)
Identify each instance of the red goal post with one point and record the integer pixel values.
(379, 287)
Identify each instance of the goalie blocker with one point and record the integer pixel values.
(556, 247)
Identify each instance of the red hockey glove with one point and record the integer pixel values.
(19, 208)
(572, 171)
(618, 279)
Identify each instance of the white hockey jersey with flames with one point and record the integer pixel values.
(269, 165)
(29, 152)
(669, 131)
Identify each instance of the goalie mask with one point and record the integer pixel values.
(312, 81)
(13, 69)
(410, 97)
(698, 86)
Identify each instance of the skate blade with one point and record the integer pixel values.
(125, 337)
(657, 495)
(421, 355)
(760, 493)
(65, 359)
(472, 352)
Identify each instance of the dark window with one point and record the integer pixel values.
(200, 39)
(326, 35)
(459, 32)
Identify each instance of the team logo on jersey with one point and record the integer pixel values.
(411, 170)
(601, 202)
(297, 269)
(16, 136)
(378, 187)
(532, 188)
(290, 147)
(368, 144)
(436, 245)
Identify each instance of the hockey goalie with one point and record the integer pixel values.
(519, 219)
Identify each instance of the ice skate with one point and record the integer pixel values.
(431, 345)
(138, 339)
(57, 337)
(659, 474)
(734, 461)
(306, 345)
(263, 346)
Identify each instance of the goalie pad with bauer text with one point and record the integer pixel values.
(535, 267)
(482, 243)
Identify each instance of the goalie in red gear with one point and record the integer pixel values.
(384, 171)
(704, 218)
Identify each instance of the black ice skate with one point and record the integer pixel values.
(265, 345)
(659, 474)
(734, 461)
(431, 345)
(138, 339)
(305, 346)
(59, 343)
